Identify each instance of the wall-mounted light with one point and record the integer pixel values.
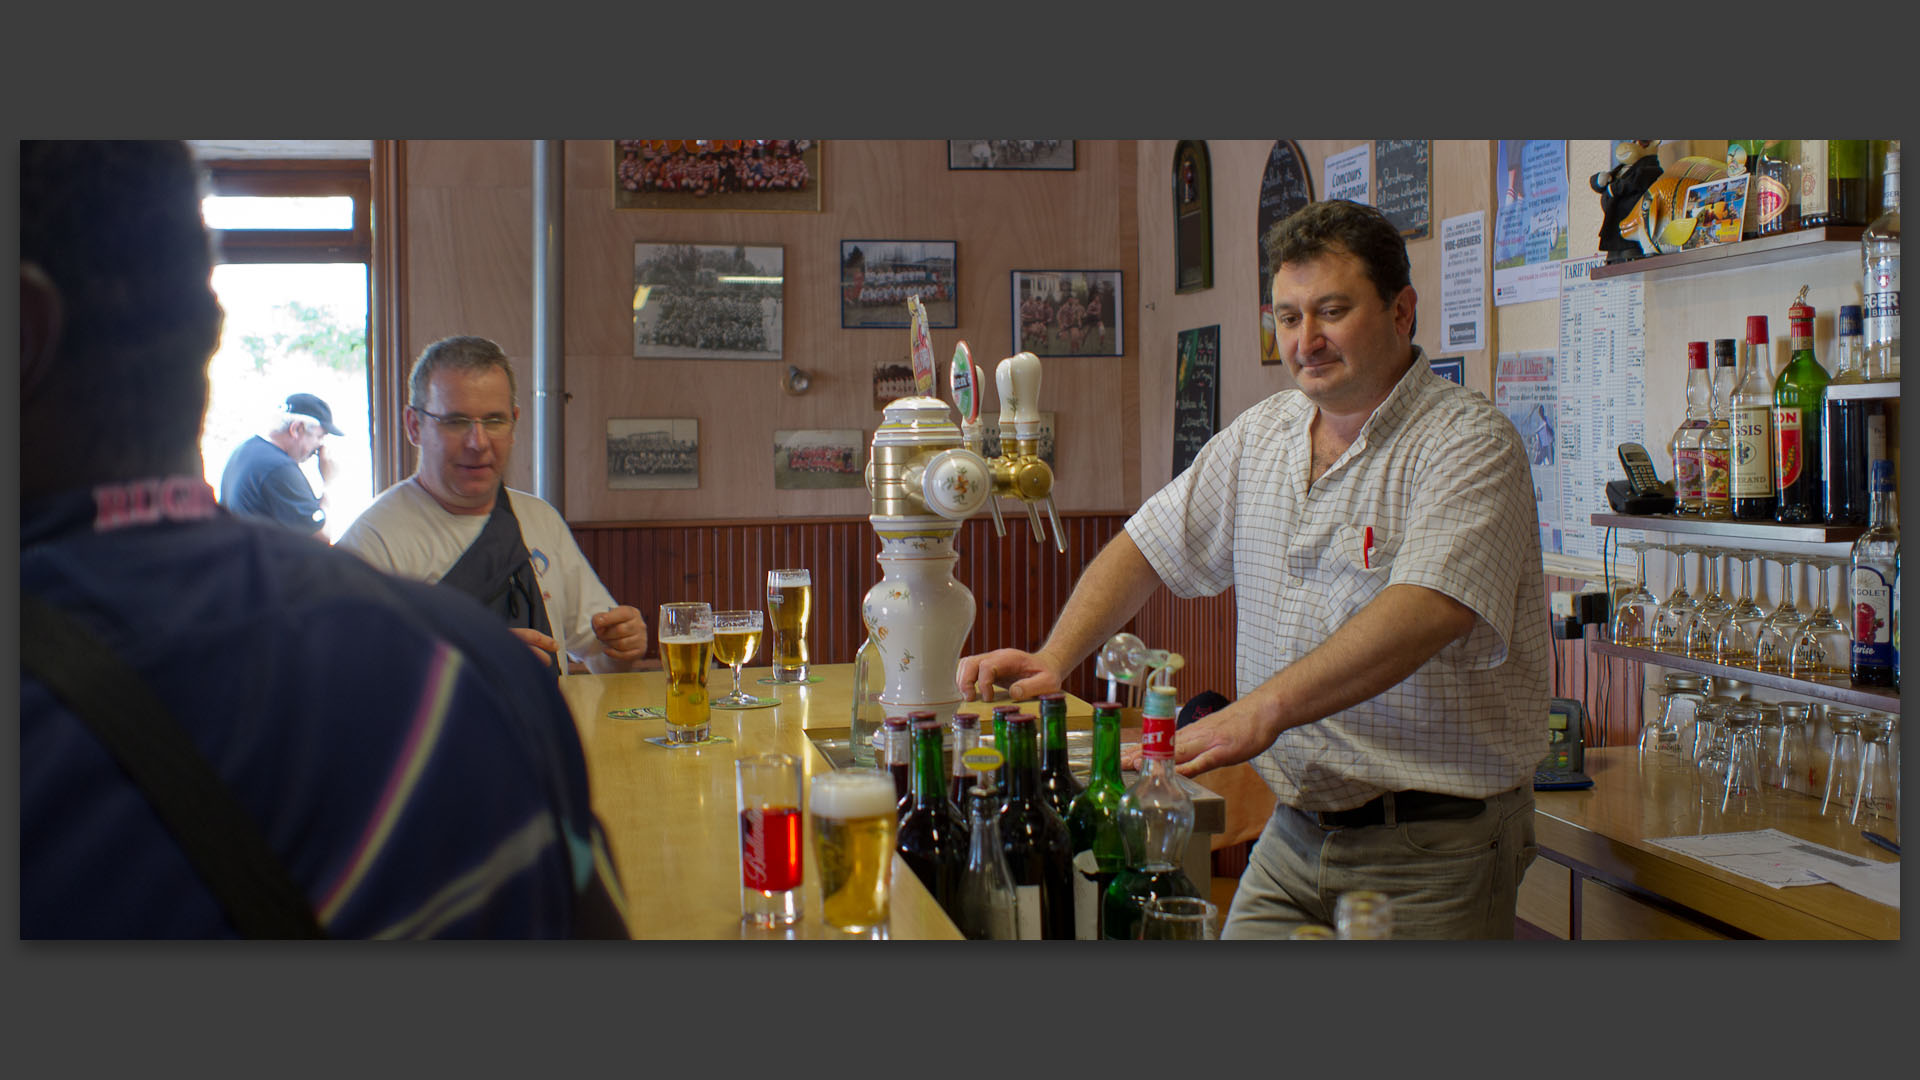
(796, 381)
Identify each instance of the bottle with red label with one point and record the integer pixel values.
(1798, 396)
(1871, 577)
(1684, 447)
(1156, 820)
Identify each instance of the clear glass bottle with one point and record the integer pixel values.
(1156, 821)
(869, 679)
(1798, 395)
(1880, 281)
(986, 901)
(1870, 579)
(966, 736)
(1716, 443)
(1684, 448)
(1776, 187)
(1750, 458)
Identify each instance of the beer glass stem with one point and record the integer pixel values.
(737, 693)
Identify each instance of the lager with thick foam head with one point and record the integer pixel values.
(789, 603)
(855, 819)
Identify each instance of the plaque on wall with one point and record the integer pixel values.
(1192, 217)
(1196, 394)
(1403, 184)
(1284, 189)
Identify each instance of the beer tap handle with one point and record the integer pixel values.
(1059, 540)
(1033, 519)
(999, 526)
(1018, 379)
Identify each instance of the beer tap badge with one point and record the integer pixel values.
(961, 375)
(922, 348)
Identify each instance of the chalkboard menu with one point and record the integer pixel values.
(1403, 184)
(1283, 190)
(1196, 394)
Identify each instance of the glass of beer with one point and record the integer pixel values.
(789, 602)
(767, 787)
(686, 651)
(854, 821)
(736, 638)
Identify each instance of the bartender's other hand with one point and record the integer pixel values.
(542, 645)
(622, 633)
(1025, 675)
(1228, 736)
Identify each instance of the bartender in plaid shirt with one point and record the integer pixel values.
(1377, 526)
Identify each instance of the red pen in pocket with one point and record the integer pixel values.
(1366, 550)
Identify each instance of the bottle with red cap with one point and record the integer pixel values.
(1750, 463)
(1684, 447)
(1156, 821)
(896, 739)
(1797, 399)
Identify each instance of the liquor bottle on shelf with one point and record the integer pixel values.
(1870, 577)
(927, 840)
(1776, 188)
(1093, 823)
(1797, 396)
(1716, 442)
(1156, 820)
(1684, 447)
(1750, 455)
(1743, 158)
(1057, 784)
(1853, 431)
(1833, 182)
(1035, 840)
(1896, 618)
(897, 740)
(986, 904)
(1880, 284)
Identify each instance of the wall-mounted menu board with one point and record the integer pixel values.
(1285, 189)
(1403, 184)
(1196, 394)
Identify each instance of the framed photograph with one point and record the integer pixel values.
(990, 436)
(877, 276)
(892, 379)
(707, 301)
(717, 174)
(1711, 213)
(1009, 153)
(1067, 312)
(811, 458)
(653, 454)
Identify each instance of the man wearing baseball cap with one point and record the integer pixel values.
(263, 477)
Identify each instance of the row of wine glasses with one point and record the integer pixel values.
(1730, 628)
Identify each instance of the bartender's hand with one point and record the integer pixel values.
(623, 635)
(542, 645)
(1227, 736)
(1026, 675)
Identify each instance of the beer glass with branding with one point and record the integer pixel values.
(767, 793)
(855, 817)
(686, 651)
(736, 638)
(789, 602)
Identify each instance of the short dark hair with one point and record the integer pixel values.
(116, 227)
(1338, 225)
(467, 353)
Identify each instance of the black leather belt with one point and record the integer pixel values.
(1407, 806)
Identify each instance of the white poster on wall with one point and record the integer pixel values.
(1349, 175)
(1524, 388)
(1463, 282)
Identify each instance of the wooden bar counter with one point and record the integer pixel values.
(1598, 877)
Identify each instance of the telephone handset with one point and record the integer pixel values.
(1642, 492)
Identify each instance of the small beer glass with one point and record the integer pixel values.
(789, 603)
(686, 651)
(1363, 915)
(767, 793)
(855, 817)
(736, 638)
(1177, 918)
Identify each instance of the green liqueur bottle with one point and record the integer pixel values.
(928, 840)
(1798, 395)
(1093, 823)
(1057, 783)
(1035, 840)
(1156, 820)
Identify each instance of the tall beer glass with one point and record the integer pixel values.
(855, 816)
(789, 603)
(686, 651)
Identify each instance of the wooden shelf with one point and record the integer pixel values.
(1884, 390)
(1877, 698)
(1757, 531)
(1739, 255)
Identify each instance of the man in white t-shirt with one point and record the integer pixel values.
(446, 523)
(1377, 527)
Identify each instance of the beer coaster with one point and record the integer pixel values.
(771, 681)
(661, 740)
(643, 712)
(756, 703)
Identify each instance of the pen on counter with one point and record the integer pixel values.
(1876, 838)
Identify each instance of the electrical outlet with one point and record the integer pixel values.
(1561, 604)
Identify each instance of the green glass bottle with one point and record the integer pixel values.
(928, 841)
(1093, 823)
(1035, 841)
(1156, 821)
(1833, 182)
(1798, 396)
(1057, 781)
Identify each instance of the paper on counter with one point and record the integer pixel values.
(1878, 881)
(1776, 859)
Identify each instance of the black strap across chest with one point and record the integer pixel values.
(497, 570)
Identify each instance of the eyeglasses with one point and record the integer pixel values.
(459, 426)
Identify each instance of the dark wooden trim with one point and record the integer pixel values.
(1679, 911)
(387, 360)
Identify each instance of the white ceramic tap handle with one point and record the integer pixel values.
(1018, 380)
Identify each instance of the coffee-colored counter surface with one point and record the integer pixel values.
(670, 815)
(1608, 826)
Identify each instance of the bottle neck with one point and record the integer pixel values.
(1890, 192)
(982, 810)
(1106, 748)
(1881, 512)
(1021, 772)
(1699, 392)
(929, 780)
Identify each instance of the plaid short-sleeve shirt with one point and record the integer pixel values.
(1441, 478)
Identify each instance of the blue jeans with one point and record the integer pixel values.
(1450, 878)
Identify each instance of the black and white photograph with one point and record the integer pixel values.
(990, 437)
(1009, 153)
(1067, 312)
(877, 277)
(707, 301)
(653, 454)
(892, 379)
(812, 458)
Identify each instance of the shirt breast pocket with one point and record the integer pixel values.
(1355, 570)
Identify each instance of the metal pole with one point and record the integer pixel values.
(549, 322)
